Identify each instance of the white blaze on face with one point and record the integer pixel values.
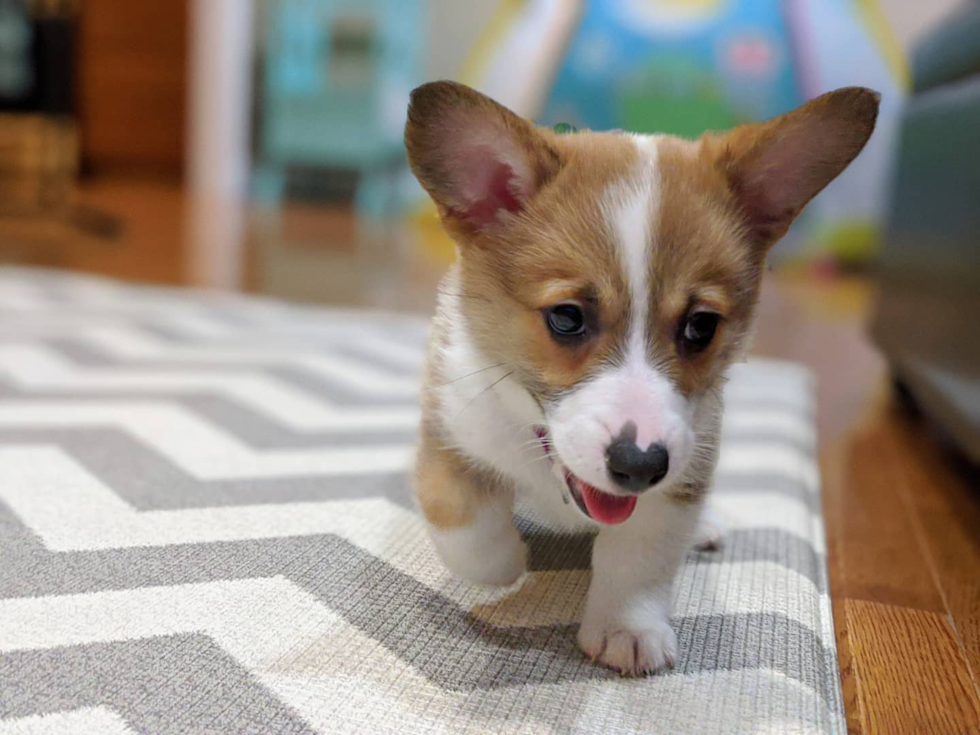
(631, 390)
(632, 215)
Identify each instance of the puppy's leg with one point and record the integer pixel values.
(468, 513)
(711, 530)
(626, 625)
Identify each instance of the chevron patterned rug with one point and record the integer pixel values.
(205, 527)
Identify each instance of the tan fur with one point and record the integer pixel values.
(441, 108)
(559, 249)
(449, 487)
(702, 257)
(708, 250)
(836, 124)
(689, 493)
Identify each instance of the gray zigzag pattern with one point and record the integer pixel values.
(136, 472)
(447, 644)
(548, 550)
(551, 550)
(85, 356)
(261, 432)
(173, 684)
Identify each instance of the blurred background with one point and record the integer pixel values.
(256, 145)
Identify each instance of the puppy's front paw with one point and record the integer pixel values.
(631, 652)
(710, 532)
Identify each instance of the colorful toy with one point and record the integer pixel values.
(686, 66)
(335, 83)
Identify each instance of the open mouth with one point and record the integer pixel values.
(595, 503)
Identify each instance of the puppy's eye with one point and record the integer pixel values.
(566, 320)
(698, 331)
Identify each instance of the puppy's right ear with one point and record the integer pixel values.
(480, 162)
(774, 168)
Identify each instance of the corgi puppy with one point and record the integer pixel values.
(604, 284)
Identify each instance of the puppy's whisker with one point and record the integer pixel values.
(470, 402)
(533, 460)
(475, 372)
(534, 444)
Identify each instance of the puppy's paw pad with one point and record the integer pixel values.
(631, 652)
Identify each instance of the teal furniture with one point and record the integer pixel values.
(926, 319)
(335, 80)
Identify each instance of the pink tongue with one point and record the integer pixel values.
(606, 508)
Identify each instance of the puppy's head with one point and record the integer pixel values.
(617, 275)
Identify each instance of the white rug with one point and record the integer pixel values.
(205, 527)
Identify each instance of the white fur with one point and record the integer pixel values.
(491, 418)
(489, 550)
(632, 209)
(626, 624)
(634, 390)
(710, 531)
(496, 424)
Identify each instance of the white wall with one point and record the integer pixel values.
(454, 26)
(219, 84)
(909, 19)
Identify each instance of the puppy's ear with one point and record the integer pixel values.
(774, 168)
(478, 161)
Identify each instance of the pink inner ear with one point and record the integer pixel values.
(768, 194)
(780, 183)
(490, 186)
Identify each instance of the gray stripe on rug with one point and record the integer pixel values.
(173, 684)
(550, 550)
(136, 472)
(449, 645)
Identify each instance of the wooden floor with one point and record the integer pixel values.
(903, 522)
(903, 517)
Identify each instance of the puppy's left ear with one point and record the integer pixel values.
(775, 168)
(478, 161)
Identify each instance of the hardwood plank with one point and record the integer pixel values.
(910, 671)
(870, 557)
(848, 676)
(877, 553)
(943, 498)
(834, 482)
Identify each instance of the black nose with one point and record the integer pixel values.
(633, 469)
